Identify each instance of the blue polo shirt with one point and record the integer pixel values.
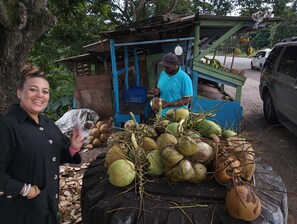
(175, 87)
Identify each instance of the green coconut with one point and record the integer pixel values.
(207, 128)
(165, 139)
(181, 113)
(199, 173)
(187, 146)
(149, 144)
(171, 156)
(185, 170)
(155, 163)
(170, 114)
(121, 173)
(193, 134)
(172, 174)
(228, 133)
(174, 128)
(115, 153)
(205, 153)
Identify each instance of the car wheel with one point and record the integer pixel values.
(252, 66)
(261, 66)
(269, 110)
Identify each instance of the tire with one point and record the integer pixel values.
(252, 66)
(260, 67)
(269, 110)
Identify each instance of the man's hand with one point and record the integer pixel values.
(156, 91)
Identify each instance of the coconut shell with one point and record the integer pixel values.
(103, 137)
(155, 163)
(187, 146)
(90, 139)
(185, 170)
(95, 132)
(156, 103)
(149, 144)
(200, 172)
(227, 169)
(171, 156)
(205, 153)
(99, 124)
(104, 128)
(181, 113)
(165, 139)
(174, 129)
(242, 203)
(96, 142)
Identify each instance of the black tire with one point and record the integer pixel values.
(268, 109)
(252, 66)
(261, 66)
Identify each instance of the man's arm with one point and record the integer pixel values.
(181, 102)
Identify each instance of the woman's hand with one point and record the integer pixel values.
(76, 141)
(156, 91)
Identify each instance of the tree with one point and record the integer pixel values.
(21, 24)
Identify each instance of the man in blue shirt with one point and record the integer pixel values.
(174, 86)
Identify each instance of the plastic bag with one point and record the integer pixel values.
(74, 117)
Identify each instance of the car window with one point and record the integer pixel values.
(287, 61)
(271, 60)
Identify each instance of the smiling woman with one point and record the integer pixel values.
(32, 148)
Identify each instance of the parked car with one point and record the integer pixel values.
(278, 85)
(259, 58)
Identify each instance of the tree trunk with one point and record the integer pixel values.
(22, 22)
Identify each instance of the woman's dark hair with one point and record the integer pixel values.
(29, 71)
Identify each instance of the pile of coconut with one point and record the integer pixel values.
(186, 146)
(98, 133)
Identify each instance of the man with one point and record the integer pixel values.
(174, 86)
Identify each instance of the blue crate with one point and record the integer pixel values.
(135, 95)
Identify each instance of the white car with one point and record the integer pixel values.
(259, 59)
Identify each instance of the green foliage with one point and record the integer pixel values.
(285, 29)
(260, 39)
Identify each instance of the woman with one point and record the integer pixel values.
(31, 149)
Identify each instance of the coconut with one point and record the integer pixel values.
(149, 144)
(199, 173)
(193, 134)
(115, 153)
(181, 113)
(95, 132)
(161, 126)
(174, 128)
(104, 128)
(227, 169)
(171, 156)
(172, 174)
(121, 173)
(155, 163)
(205, 153)
(244, 152)
(228, 133)
(185, 170)
(103, 137)
(165, 139)
(99, 124)
(242, 203)
(170, 114)
(149, 131)
(96, 142)
(156, 103)
(207, 128)
(187, 146)
(129, 123)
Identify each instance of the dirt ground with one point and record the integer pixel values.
(275, 145)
